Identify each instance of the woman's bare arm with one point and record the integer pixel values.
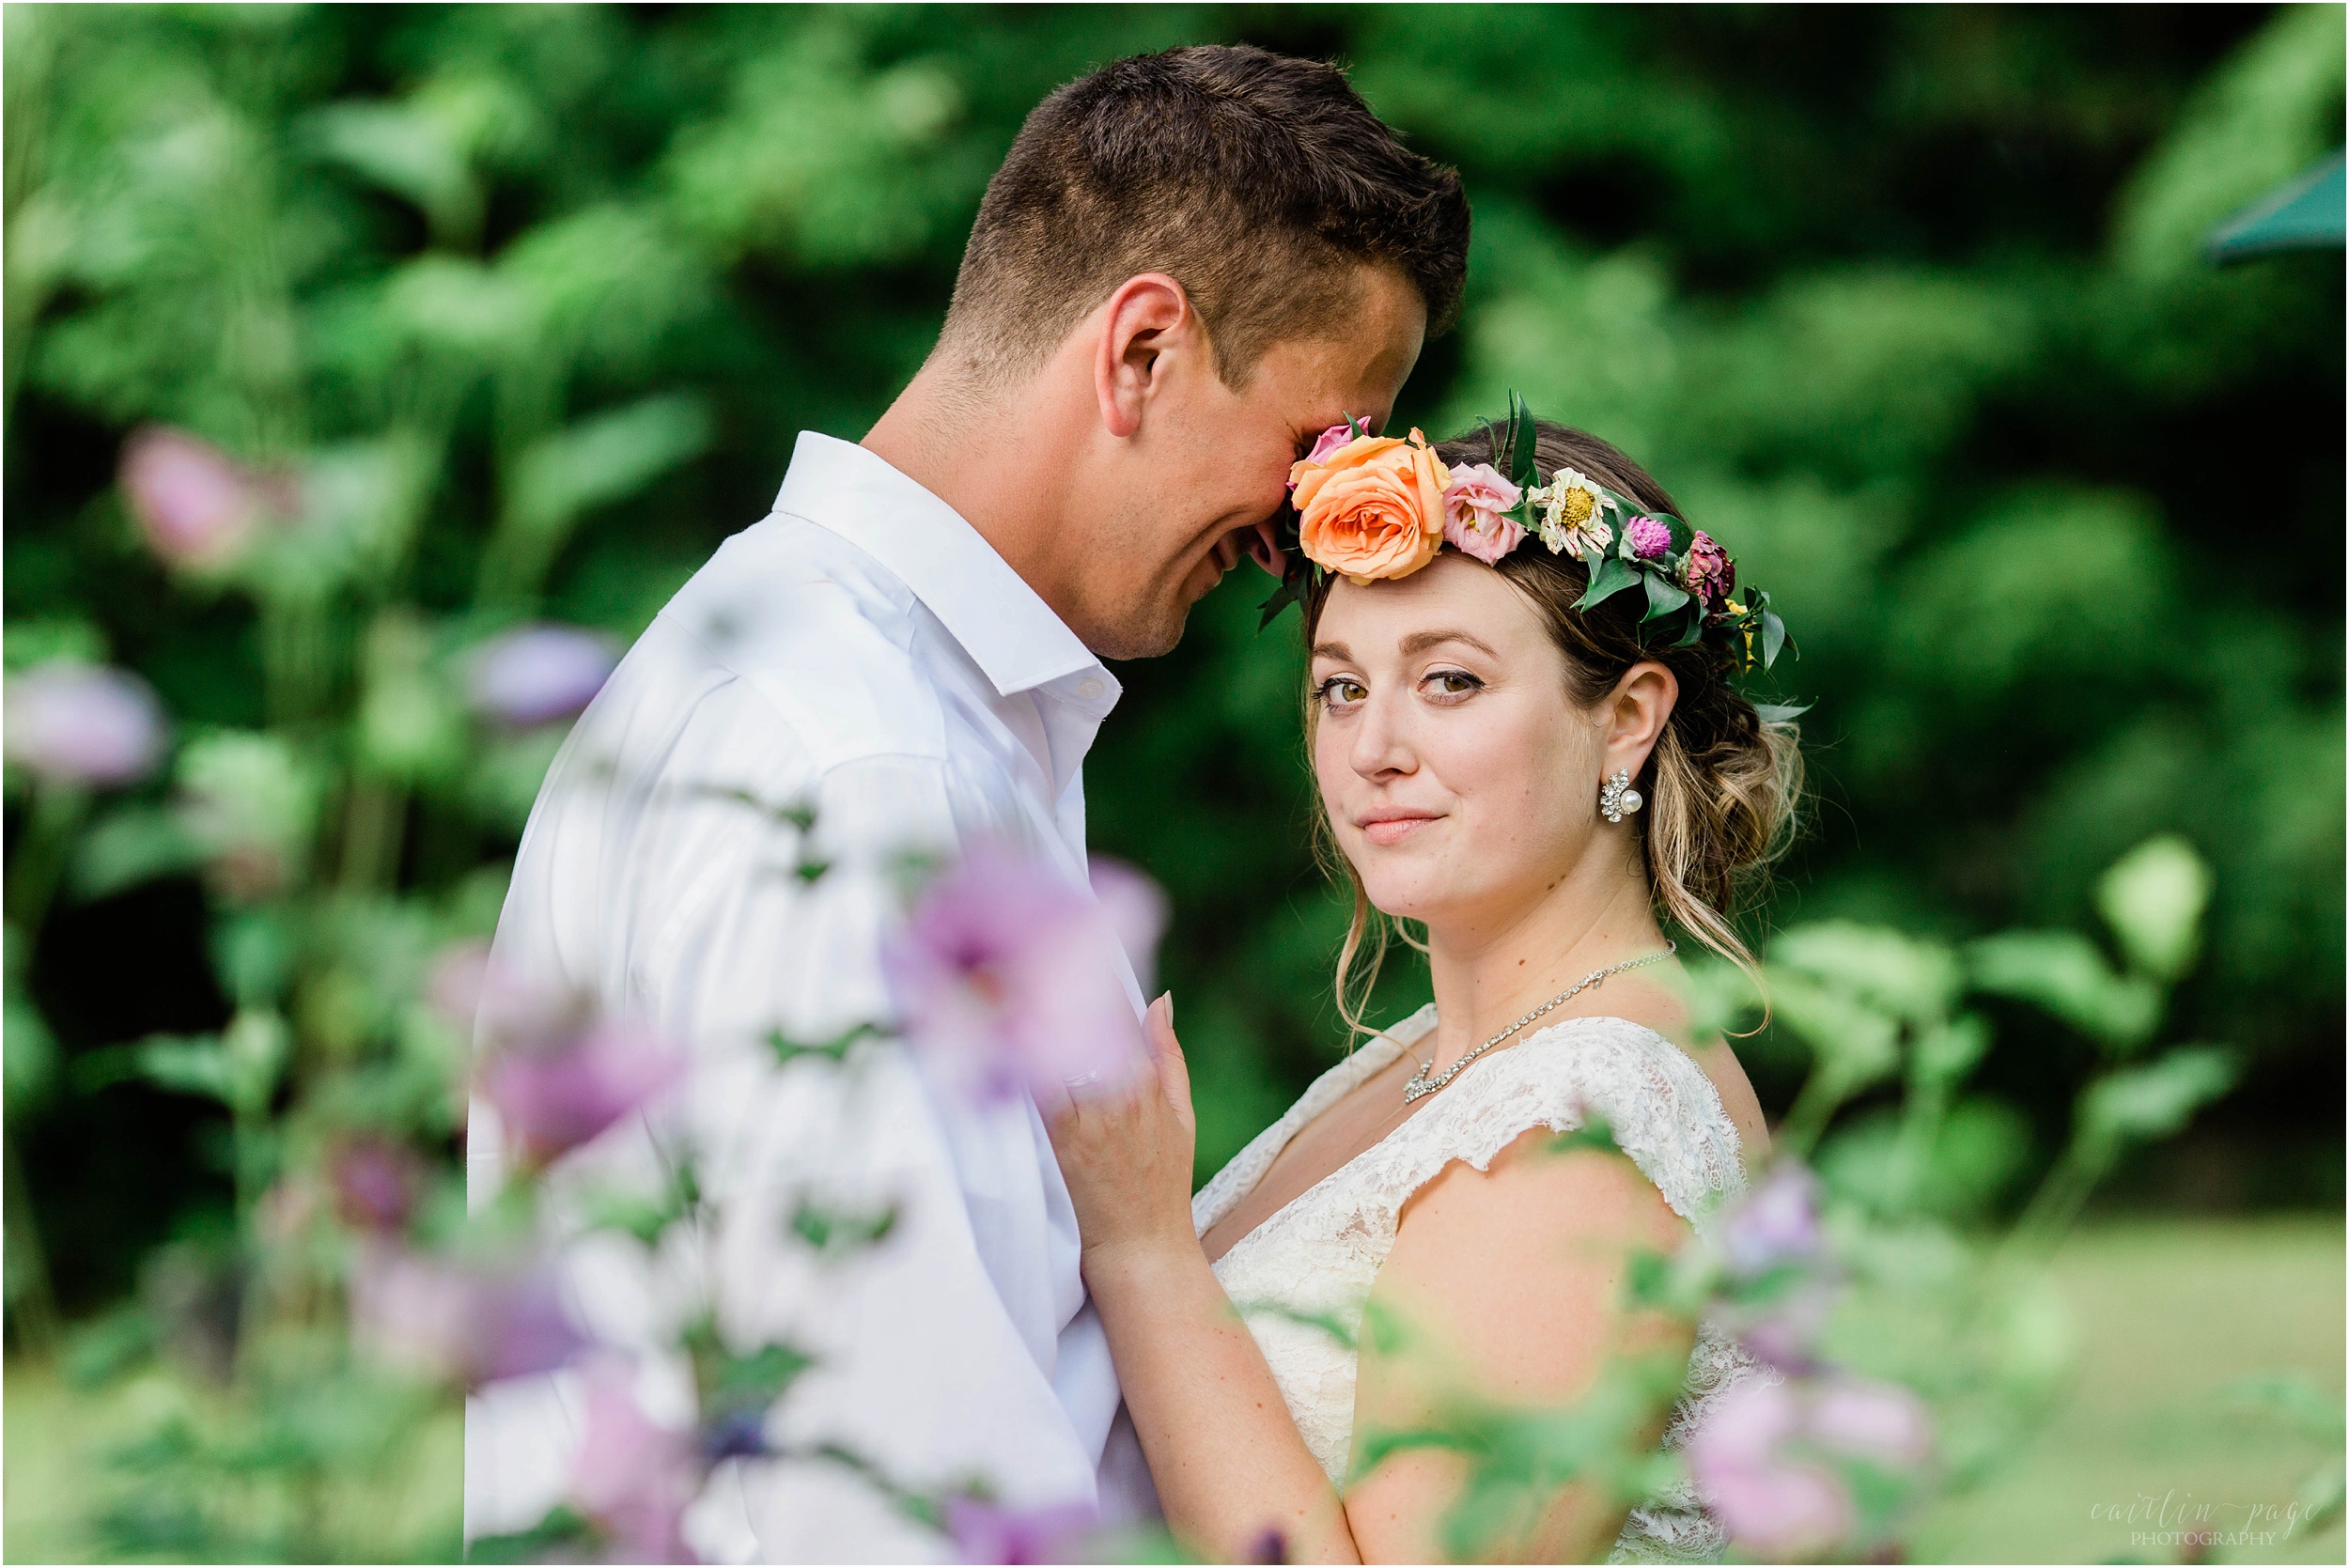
(1508, 1282)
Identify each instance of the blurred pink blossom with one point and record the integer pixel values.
(498, 1002)
(985, 1532)
(1007, 978)
(1762, 1457)
(1775, 1222)
(1883, 1424)
(69, 723)
(632, 1477)
(464, 1322)
(375, 1183)
(552, 1096)
(536, 673)
(198, 507)
(1770, 1506)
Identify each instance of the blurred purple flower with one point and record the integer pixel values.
(634, 1477)
(1646, 538)
(1006, 977)
(74, 723)
(1757, 1456)
(1784, 1333)
(555, 1097)
(197, 506)
(466, 1322)
(375, 1183)
(985, 1532)
(1770, 1506)
(1883, 1424)
(507, 1008)
(534, 674)
(1774, 1222)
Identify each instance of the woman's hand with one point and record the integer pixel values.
(1125, 1152)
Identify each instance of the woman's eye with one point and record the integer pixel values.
(1342, 692)
(1453, 683)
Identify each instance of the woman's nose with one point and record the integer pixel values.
(1381, 746)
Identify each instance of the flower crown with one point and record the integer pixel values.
(1371, 507)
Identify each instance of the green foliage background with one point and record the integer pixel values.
(1906, 305)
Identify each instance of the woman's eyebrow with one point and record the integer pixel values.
(1333, 651)
(1420, 642)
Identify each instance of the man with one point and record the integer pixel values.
(1189, 265)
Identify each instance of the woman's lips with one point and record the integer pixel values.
(1392, 829)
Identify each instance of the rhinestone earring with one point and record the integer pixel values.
(1619, 800)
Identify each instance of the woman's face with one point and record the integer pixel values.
(1460, 776)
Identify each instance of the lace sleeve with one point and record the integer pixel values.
(1664, 1112)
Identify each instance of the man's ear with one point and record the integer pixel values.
(1148, 314)
(1637, 711)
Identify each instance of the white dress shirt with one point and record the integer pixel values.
(863, 649)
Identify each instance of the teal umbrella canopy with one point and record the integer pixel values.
(2306, 214)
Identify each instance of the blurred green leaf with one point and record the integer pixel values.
(1912, 979)
(2157, 1099)
(2154, 898)
(598, 460)
(2064, 972)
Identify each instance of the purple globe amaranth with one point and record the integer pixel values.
(1647, 538)
(1009, 978)
(69, 723)
(537, 674)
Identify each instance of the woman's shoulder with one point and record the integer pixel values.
(1657, 1103)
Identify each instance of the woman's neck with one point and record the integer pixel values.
(1489, 971)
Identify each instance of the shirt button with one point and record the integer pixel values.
(1088, 688)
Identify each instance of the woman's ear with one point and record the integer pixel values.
(1635, 714)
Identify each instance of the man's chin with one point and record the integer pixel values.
(1144, 636)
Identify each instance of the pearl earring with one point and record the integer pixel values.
(1619, 798)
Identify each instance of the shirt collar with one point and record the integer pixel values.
(1008, 630)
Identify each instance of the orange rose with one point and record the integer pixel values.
(1373, 508)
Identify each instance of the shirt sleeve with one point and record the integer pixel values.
(688, 897)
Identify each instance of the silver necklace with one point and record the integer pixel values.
(1421, 1085)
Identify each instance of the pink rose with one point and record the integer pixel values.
(1329, 442)
(1477, 519)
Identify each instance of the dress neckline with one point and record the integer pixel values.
(1394, 1048)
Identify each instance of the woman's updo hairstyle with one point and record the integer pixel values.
(1721, 783)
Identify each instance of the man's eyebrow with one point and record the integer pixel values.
(1333, 651)
(1420, 642)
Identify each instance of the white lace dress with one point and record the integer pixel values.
(1318, 1257)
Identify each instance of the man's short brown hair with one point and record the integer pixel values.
(1259, 181)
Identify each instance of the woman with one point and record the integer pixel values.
(1536, 784)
